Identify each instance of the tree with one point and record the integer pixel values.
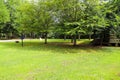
(113, 16)
(36, 17)
(46, 16)
(10, 25)
(26, 18)
(4, 16)
(70, 14)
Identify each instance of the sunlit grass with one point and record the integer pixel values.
(58, 60)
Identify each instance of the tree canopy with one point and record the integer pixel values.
(66, 17)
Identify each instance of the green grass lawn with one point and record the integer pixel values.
(58, 60)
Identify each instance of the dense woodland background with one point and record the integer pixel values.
(71, 19)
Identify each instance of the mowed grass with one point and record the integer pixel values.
(58, 60)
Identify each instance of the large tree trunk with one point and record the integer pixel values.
(46, 37)
(79, 37)
(74, 42)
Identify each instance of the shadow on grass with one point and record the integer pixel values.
(60, 47)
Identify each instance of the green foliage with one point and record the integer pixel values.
(72, 16)
(4, 13)
(26, 17)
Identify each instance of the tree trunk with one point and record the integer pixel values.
(22, 37)
(31, 35)
(94, 34)
(79, 37)
(22, 42)
(64, 37)
(34, 35)
(89, 36)
(71, 39)
(46, 37)
(102, 36)
(12, 35)
(74, 42)
(8, 37)
(0, 33)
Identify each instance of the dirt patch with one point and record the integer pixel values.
(118, 74)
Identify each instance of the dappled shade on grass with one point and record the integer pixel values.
(58, 60)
